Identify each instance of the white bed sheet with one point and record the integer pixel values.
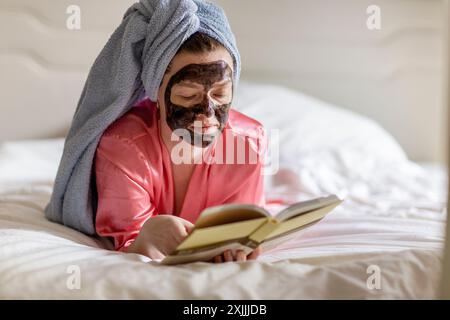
(395, 222)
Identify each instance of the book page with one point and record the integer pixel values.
(229, 213)
(307, 206)
(302, 220)
(217, 234)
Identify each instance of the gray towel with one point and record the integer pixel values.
(131, 65)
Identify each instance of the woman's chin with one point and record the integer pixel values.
(203, 139)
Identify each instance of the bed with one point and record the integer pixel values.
(384, 242)
(391, 223)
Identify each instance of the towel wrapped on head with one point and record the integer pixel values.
(132, 64)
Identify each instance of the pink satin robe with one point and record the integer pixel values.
(134, 174)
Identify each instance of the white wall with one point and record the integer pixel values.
(321, 47)
(44, 65)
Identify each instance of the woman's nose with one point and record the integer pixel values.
(203, 116)
(208, 108)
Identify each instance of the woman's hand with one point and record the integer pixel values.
(160, 235)
(240, 256)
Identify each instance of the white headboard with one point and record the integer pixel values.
(44, 64)
(324, 48)
(321, 47)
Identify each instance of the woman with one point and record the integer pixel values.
(148, 203)
(152, 128)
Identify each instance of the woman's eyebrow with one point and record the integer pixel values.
(222, 82)
(190, 84)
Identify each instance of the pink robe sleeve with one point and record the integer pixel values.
(123, 201)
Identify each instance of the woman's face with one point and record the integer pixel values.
(195, 95)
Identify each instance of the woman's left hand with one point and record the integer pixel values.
(227, 256)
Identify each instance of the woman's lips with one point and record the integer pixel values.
(204, 128)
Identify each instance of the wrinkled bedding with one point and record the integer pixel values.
(392, 221)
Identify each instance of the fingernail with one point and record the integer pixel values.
(228, 256)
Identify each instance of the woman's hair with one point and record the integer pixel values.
(198, 43)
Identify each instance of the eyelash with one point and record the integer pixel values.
(217, 95)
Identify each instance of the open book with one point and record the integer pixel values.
(245, 227)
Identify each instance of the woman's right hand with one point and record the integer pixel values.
(227, 256)
(160, 235)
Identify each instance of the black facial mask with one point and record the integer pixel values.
(179, 117)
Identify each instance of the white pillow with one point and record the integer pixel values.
(30, 160)
(307, 124)
(319, 141)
